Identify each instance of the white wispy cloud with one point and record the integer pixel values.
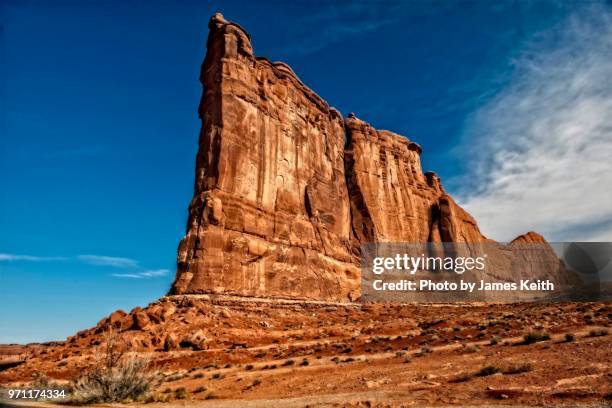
(113, 261)
(153, 273)
(542, 147)
(30, 258)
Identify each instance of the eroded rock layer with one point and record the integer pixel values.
(287, 191)
(391, 199)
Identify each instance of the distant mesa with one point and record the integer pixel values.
(287, 190)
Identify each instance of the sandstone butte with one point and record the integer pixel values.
(287, 190)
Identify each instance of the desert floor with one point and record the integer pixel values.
(225, 352)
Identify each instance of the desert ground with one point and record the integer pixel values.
(221, 351)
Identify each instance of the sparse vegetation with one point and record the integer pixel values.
(248, 367)
(288, 363)
(518, 369)
(181, 393)
(199, 389)
(534, 337)
(494, 340)
(488, 370)
(156, 398)
(117, 377)
(461, 377)
(473, 348)
(569, 337)
(598, 332)
(424, 350)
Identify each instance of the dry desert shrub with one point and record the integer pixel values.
(118, 376)
(518, 368)
(598, 333)
(461, 377)
(488, 370)
(181, 393)
(534, 337)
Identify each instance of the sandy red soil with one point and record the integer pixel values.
(227, 352)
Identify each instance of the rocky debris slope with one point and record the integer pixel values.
(216, 346)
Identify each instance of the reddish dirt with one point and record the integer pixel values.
(228, 351)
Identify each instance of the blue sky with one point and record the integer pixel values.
(98, 126)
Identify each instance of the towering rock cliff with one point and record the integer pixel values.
(391, 199)
(270, 214)
(286, 190)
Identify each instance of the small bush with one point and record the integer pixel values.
(198, 375)
(305, 362)
(473, 348)
(488, 370)
(518, 369)
(288, 363)
(248, 367)
(569, 337)
(256, 382)
(461, 377)
(199, 389)
(494, 340)
(117, 377)
(156, 398)
(180, 393)
(534, 337)
(598, 333)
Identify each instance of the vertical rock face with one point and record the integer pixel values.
(280, 208)
(391, 199)
(270, 213)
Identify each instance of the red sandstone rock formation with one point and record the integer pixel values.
(270, 214)
(391, 199)
(280, 208)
